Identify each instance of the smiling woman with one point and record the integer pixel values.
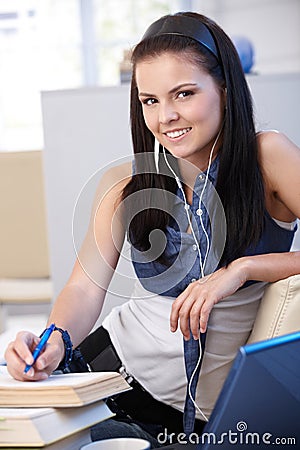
(208, 208)
(191, 102)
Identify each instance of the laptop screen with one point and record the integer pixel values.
(259, 404)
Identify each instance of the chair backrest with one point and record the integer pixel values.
(23, 230)
(279, 311)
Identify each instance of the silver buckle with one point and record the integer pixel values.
(125, 375)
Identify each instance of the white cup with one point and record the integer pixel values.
(118, 444)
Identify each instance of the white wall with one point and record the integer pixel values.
(273, 26)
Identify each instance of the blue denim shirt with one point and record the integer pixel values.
(184, 268)
(181, 250)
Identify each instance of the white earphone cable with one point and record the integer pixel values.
(202, 264)
(186, 207)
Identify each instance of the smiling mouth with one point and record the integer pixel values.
(177, 133)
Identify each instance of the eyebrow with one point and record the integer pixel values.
(174, 89)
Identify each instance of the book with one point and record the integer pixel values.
(74, 442)
(39, 427)
(60, 390)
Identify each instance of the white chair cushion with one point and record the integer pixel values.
(15, 290)
(279, 311)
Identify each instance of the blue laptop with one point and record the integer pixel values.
(259, 405)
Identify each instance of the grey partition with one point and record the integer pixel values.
(277, 106)
(85, 130)
(277, 102)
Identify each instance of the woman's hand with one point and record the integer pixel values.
(193, 306)
(19, 353)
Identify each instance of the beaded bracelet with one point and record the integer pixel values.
(68, 348)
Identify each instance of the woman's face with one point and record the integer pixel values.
(182, 105)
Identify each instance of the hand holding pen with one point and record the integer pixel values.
(41, 345)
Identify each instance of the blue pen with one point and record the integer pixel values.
(37, 351)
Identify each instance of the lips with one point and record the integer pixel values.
(177, 133)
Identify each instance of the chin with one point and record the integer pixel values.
(180, 154)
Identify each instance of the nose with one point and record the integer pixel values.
(167, 113)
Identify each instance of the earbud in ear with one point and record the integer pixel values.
(225, 98)
(156, 154)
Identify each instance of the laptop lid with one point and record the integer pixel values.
(259, 404)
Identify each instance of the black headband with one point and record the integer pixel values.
(184, 26)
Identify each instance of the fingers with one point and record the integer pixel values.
(175, 311)
(16, 366)
(204, 315)
(192, 309)
(48, 359)
(24, 345)
(19, 353)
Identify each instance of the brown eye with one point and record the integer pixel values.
(184, 94)
(149, 101)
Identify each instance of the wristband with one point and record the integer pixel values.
(68, 349)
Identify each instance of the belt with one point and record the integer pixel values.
(100, 355)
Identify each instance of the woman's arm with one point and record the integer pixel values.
(280, 164)
(96, 260)
(80, 302)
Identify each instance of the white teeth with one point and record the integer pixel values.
(175, 134)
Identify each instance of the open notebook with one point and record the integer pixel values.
(61, 390)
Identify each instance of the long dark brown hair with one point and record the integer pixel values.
(239, 182)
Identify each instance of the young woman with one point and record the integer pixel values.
(209, 208)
